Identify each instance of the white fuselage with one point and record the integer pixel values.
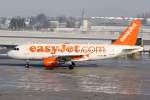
(89, 51)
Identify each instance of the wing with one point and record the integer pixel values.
(132, 50)
(72, 57)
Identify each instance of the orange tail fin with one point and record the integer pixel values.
(130, 35)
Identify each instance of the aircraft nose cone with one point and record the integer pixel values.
(11, 54)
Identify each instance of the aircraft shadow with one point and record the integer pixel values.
(40, 65)
(11, 64)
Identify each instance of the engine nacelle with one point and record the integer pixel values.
(50, 63)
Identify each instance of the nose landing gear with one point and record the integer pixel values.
(27, 65)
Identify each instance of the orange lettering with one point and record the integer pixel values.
(32, 49)
(69, 49)
(91, 49)
(40, 49)
(47, 49)
(76, 48)
(54, 49)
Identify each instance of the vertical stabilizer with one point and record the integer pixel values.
(130, 35)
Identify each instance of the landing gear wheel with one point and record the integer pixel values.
(27, 64)
(72, 65)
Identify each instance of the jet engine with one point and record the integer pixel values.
(50, 63)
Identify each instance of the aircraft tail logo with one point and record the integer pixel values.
(130, 35)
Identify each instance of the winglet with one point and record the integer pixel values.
(130, 35)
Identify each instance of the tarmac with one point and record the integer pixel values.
(112, 79)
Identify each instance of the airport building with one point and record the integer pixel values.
(102, 30)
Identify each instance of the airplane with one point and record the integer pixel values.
(53, 55)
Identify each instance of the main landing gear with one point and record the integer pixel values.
(72, 65)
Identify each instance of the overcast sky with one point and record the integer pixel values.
(73, 7)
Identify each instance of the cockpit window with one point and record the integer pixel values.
(16, 49)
